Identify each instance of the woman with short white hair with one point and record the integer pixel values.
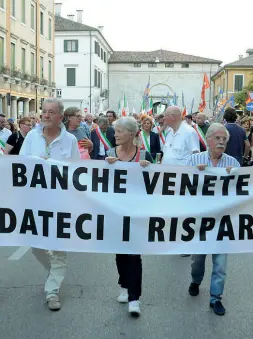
(129, 266)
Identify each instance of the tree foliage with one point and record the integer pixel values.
(240, 97)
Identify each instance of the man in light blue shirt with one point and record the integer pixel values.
(217, 137)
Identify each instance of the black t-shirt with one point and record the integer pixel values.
(16, 140)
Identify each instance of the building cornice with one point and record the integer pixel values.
(13, 36)
(2, 29)
(24, 42)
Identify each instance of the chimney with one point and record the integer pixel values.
(249, 51)
(70, 17)
(101, 28)
(57, 8)
(240, 57)
(79, 16)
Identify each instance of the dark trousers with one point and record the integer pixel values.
(130, 274)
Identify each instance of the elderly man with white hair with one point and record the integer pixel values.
(181, 140)
(217, 137)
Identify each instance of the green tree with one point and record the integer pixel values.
(240, 97)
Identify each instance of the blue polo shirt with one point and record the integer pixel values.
(236, 142)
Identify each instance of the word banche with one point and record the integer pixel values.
(171, 183)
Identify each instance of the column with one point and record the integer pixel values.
(4, 105)
(26, 107)
(14, 108)
(32, 105)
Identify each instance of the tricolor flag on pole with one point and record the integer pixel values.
(150, 110)
(184, 113)
(175, 99)
(192, 105)
(183, 99)
(119, 107)
(124, 109)
(143, 106)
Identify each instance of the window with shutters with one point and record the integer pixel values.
(41, 67)
(152, 65)
(137, 65)
(169, 65)
(98, 79)
(50, 72)
(238, 82)
(98, 50)
(32, 16)
(70, 46)
(33, 72)
(50, 29)
(23, 61)
(13, 8)
(185, 65)
(1, 51)
(95, 78)
(23, 9)
(41, 23)
(71, 77)
(13, 56)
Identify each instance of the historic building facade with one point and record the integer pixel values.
(26, 55)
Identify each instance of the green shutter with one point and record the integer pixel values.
(32, 63)
(65, 45)
(23, 11)
(32, 16)
(76, 46)
(1, 51)
(71, 76)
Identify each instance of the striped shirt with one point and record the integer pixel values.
(203, 158)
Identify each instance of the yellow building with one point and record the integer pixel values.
(231, 78)
(26, 55)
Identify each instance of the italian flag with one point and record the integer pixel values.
(119, 106)
(184, 113)
(150, 110)
(124, 109)
(2, 146)
(201, 135)
(143, 107)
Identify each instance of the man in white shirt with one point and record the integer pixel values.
(51, 140)
(4, 132)
(181, 139)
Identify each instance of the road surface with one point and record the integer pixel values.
(89, 306)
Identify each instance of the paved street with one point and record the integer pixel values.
(90, 309)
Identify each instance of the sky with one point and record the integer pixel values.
(214, 29)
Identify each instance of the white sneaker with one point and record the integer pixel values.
(134, 308)
(123, 295)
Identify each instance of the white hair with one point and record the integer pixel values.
(55, 101)
(216, 127)
(129, 124)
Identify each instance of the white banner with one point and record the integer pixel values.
(91, 206)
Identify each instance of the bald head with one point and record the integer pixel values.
(175, 110)
(173, 117)
(200, 119)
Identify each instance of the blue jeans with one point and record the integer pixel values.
(218, 273)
